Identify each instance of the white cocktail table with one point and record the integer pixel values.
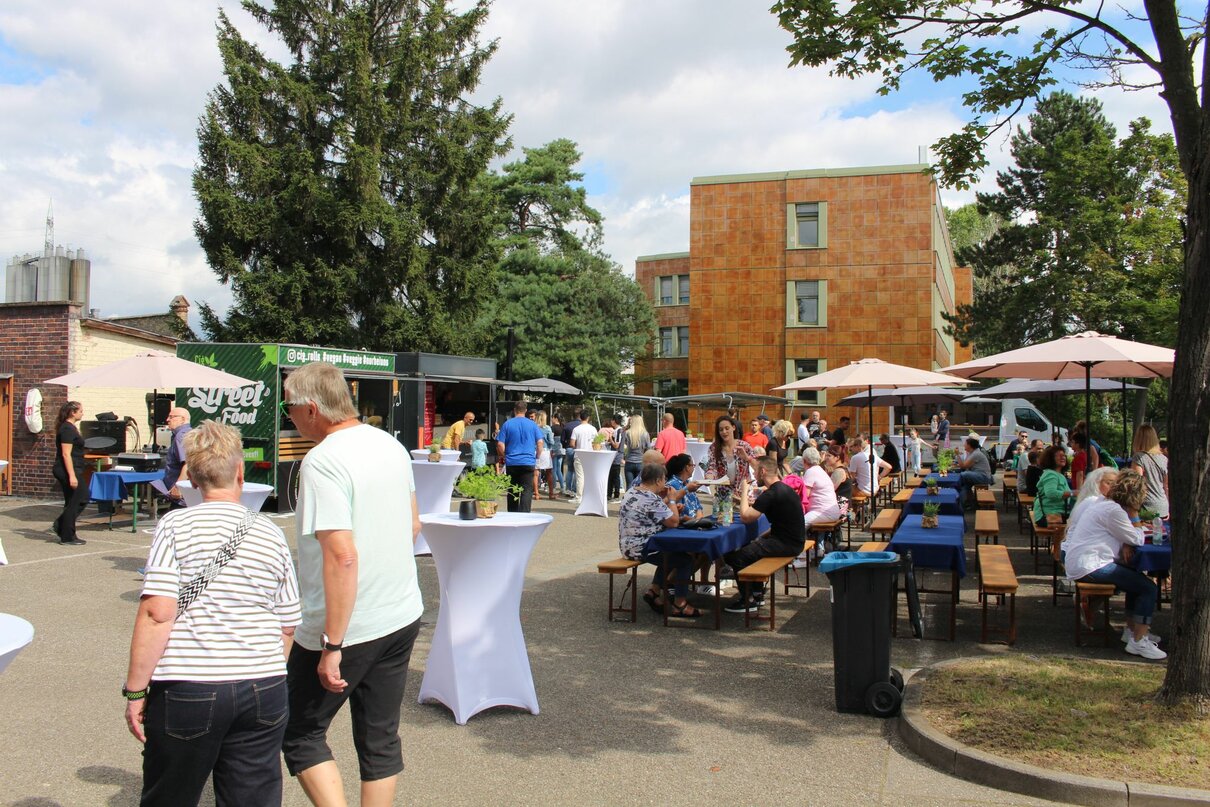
(478, 658)
(596, 466)
(15, 634)
(698, 450)
(434, 489)
(253, 495)
(447, 454)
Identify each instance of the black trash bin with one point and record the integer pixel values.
(863, 601)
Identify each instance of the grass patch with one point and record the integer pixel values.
(1076, 715)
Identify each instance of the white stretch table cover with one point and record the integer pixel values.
(698, 450)
(253, 495)
(15, 634)
(434, 489)
(596, 479)
(478, 658)
(447, 454)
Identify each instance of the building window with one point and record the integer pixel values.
(806, 225)
(806, 303)
(671, 387)
(797, 369)
(672, 290)
(674, 342)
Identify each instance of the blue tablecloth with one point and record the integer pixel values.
(939, 548)
(950, 480)
(946, 497)
(712, 543)
(1152, 558)
(110, 486)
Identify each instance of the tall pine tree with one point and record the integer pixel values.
(343, 193)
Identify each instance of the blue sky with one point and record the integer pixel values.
(101, 117)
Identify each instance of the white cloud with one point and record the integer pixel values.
(654, 93)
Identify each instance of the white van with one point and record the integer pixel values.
(997, 422)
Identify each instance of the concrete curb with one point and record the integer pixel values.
(964, 762)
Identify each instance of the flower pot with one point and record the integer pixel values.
(434, 457)
(928, 522)
(467, 510)
(486, 509)
(930, 491)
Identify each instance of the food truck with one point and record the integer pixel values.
(273, 448)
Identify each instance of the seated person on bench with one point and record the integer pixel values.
(680, 468)
(976, 470)
(175, 465)
(645, 512)
(787, 532)
(1097, 550)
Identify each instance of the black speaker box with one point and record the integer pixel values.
(103, 436)
(163, 404)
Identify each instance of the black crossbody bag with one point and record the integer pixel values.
(225, 554)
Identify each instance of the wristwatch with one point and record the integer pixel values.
(135, 694)
(331, 646)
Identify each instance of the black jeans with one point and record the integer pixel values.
(753, 551)
(614, 488)
(233, 729)
(74, 501)
(522, 475)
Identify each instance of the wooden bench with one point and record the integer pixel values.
(1043, 538)
(997, 579)
(915, 482)
(987, 525)
(985, 499)
(901, 498)
(885, 523)
(823, 529)
(1025, 507)
(1083, 599)
(886, 487)
(873, 546)
(765, 571)
(1010, 488)
(622, 566)
(1056, 557)
(858, 506)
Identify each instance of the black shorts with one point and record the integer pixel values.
(376, 672)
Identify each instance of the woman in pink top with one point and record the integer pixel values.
(823, 505)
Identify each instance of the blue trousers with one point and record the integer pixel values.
(1141, 593)
(569, 477)
(233, 729)
(966, 481)
(556, 464)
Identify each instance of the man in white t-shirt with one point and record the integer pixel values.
(361, 605)
(581, 440)
(859, 466)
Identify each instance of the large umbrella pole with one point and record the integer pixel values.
(1125, 439)
(903, 439)
(873, 487)
(1088, 417)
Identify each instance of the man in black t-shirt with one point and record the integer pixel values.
(787, 532)
(841, 435)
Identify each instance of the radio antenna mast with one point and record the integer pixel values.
(48, 248)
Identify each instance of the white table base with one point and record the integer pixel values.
(253, 495)
(596, 465)
(434, 489)
(478, 658)
(699, 450)
(15, 634)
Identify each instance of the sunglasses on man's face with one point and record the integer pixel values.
(284, 405)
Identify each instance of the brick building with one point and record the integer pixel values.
(790, 274)
(41, 340)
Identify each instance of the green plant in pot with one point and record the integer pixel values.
(930, 489)
(434, 452)
(486, 487)
(945, 461)
(598, 442)
(929, 519)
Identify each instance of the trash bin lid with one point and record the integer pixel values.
(836, 561)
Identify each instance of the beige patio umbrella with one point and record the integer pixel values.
(1082, 355)
(871, 373)
(155, 370)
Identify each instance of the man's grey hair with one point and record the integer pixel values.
(324, 385)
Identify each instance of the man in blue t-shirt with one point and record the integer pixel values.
(520, 442)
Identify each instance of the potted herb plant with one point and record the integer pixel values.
(945, 461)
(930, 487)
(929, 519)
(598, 441)
(434, 452)
(486, 486)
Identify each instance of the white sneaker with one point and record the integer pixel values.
(1145, 649)
(1154, 638)
(574, 500)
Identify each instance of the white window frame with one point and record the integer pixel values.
(676, 351)
(792, 304)
(792, 225)
(820, 398)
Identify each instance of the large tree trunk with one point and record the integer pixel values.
(1188, 675)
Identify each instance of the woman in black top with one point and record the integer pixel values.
(69, 471)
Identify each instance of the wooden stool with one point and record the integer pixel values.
(616, 567)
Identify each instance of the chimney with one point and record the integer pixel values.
(180, 307)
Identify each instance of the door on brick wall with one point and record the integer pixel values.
(6, 433)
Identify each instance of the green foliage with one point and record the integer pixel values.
(342, 193)
(945, 460)
(485, 485)
(1092, 239)
(576, 316)
(969, 227)
(931, 509)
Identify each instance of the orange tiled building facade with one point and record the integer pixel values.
(791, 274)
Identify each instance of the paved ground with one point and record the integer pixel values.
(631, 714)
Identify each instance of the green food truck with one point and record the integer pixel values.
(273, 448)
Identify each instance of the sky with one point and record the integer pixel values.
(99, 104)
